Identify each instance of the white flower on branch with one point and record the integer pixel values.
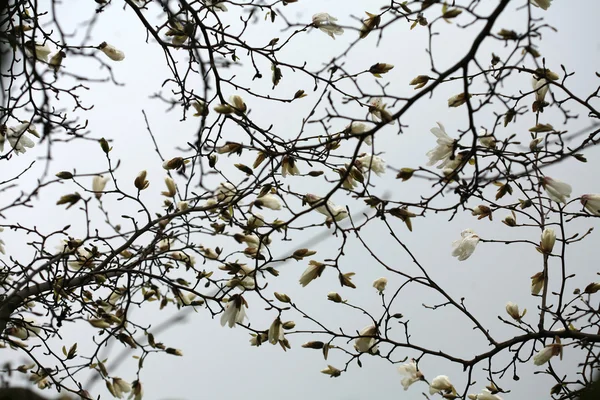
(329, 209)
(17, 139)
(544, 355)
(543, 4)
(541, 88)
(374, 163)
(276, 334)
(591, 202)
(366, 343)
(463, 248)
(444, 149)
(441, 383)
(268, 201)
(41, 51)
(120, 387)
(513, 310)
(111, 52)
(380, 284)
(234, 312)
(326, 23)
(378, 111)
(484, 395)
(557, 190)
(547, 241)
(410, 373)
(537, 283)
(314, 270)
(356, 128)
(98, 185)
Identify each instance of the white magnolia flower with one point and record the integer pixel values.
(547, 353)
(276, 332)
(326, 23)
(314, 270)
(216, 5)
(289, 166)
(411, 374)
(548, 240)
(537, 283)
(182, 205)
(329, 209)
(375, 163)
(120, 386)
(234, 311)
(356, 128)
(557, 190)
(256, 220)
(513, 310)
(41, 51)
(443, 151)
(171, 187)
(268, 201)
(380, 284)
(98, 185)
(366, 343)
(484, 395)
(591, 202)
(111, 52)
(225, 192)
(378, 111)
(17, 139)
(543, 4)
(463, 248)
(440, 383)
(541, 88)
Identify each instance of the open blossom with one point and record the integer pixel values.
(378, 111)
(557, 190)
(366, 343)
(17, 139)
(463, 248)
(440, 383)
(591, 202)
(356, 128)
(410, 373)
(380, 284)
(111, 52)
(374, 163)
(543, 4)
(326, 23)
(41, 51)
(234, 311)
(98, 185)
(444, 149)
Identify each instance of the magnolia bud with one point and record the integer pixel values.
(548, 240)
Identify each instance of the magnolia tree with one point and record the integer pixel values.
(91, 232)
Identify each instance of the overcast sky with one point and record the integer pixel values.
(218, 362)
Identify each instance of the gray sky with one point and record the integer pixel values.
(219, 362)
